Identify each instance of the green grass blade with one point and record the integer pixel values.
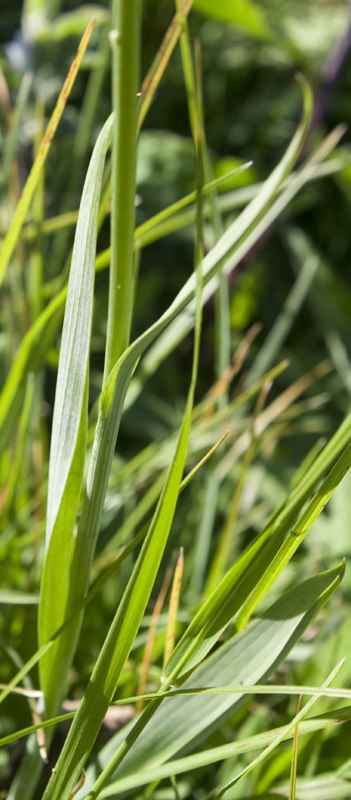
(289, 728)
(72, 373)
(54, 667)
(146, 227)
(69, 426)
(257, 689)
(293, 771)
(142, 231)
(216, 754)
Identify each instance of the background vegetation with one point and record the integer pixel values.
(294, 282)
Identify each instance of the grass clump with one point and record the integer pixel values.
(161, 527)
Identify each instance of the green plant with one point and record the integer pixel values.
(221, 655)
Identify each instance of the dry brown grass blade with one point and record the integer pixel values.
(144, 669)
(40, 733)
(79, 786)
(272, 413)
(237, 361)
(173, 607)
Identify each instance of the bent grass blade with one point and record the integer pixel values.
(318, 723)
(289, 728)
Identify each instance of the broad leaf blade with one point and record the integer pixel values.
(72, 372)
(69, 425)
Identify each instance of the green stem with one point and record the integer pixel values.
(124, 40)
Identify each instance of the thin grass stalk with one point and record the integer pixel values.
(329, 717)
(150, 84)
(125, 46)
(222, 315)
(70, 218)
(292, 785)
(222, 319)
(212, 485)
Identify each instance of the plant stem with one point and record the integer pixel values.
(124, 40)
